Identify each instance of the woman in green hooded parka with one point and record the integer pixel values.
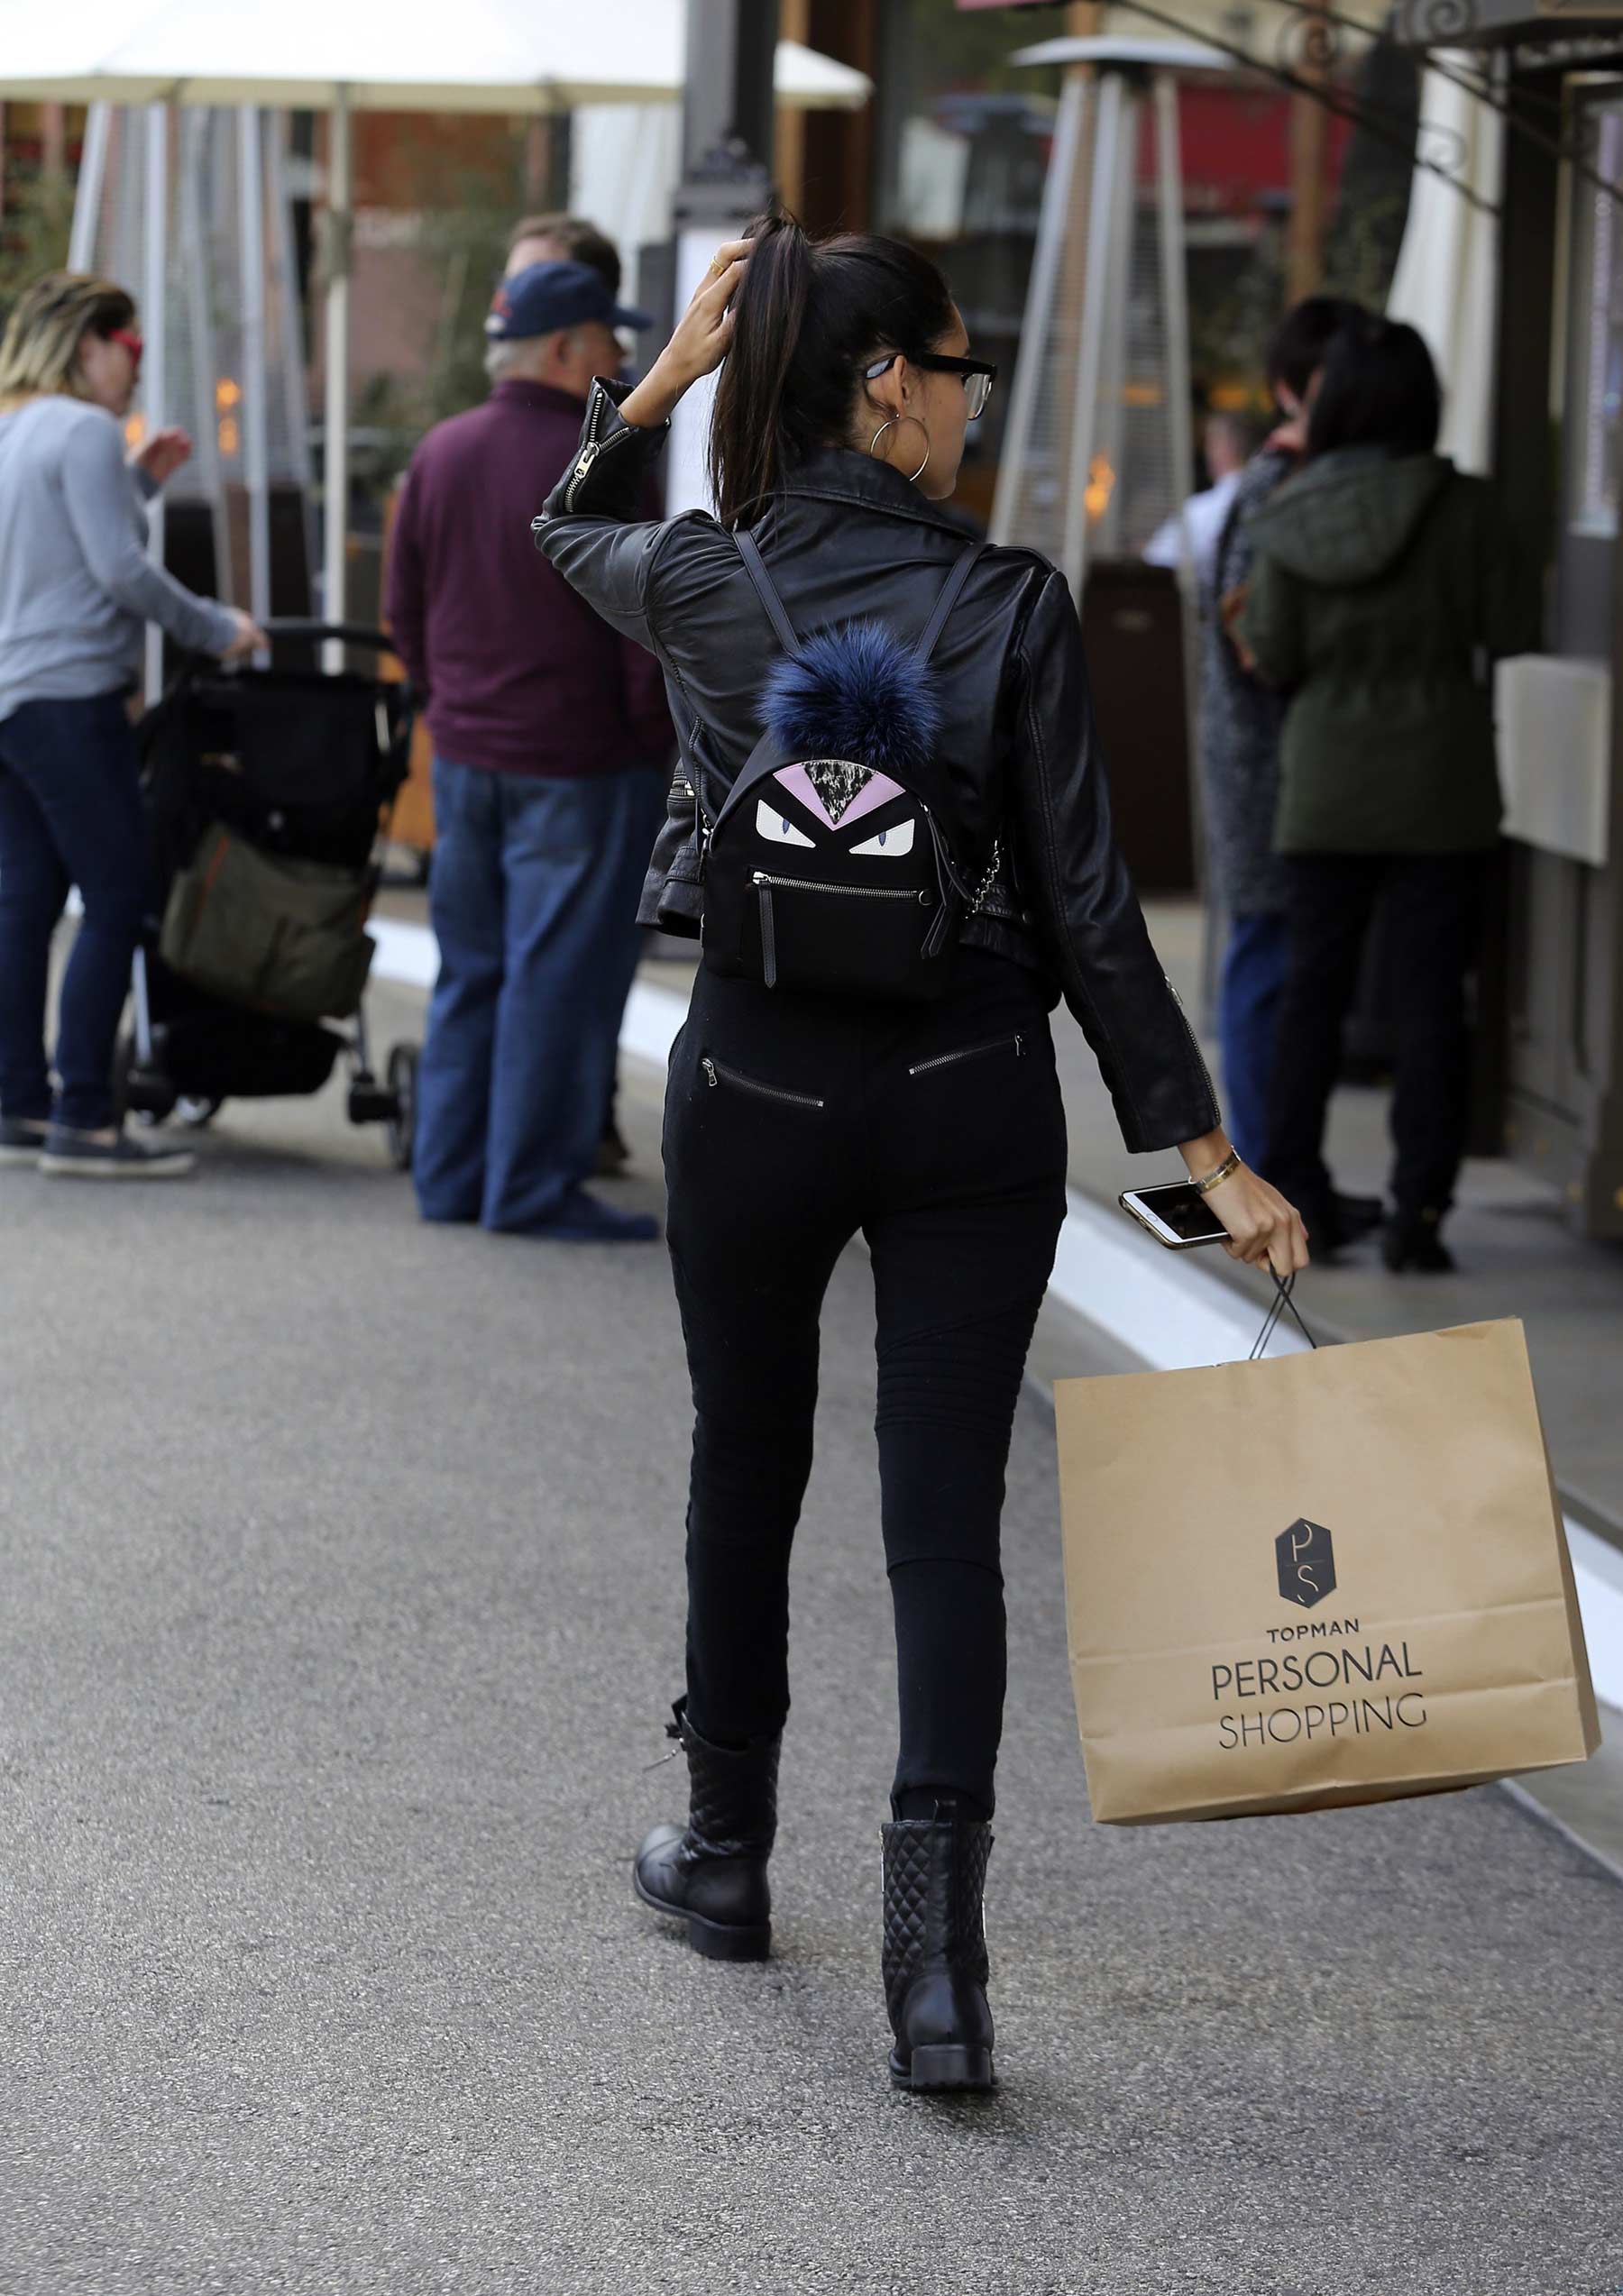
(1384, 586)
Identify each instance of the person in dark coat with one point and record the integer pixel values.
(1240, 718)
(1385, 584)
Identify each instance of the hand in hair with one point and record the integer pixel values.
(698, 347)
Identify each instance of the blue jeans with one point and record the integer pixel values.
(70, 814)
(1248, 1011)
(533, 897)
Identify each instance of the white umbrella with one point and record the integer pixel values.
(340, 56)
(480, 56)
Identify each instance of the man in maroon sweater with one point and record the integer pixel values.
(550, 740)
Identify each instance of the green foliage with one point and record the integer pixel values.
(465, 242)
(34, 231)
(466, 215)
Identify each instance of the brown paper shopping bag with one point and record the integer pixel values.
(1331, 1578)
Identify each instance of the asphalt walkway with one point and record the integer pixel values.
(341, 1612)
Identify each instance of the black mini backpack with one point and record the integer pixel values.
(830, 867)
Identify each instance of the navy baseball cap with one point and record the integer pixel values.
(546, 297)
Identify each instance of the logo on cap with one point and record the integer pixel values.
(1306, 1559)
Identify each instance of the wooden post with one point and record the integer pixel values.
(54, 141)
(794, 23)
(1305, 234)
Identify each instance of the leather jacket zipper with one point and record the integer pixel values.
(852, 892)
(969, 1052)
(587, 455)
(715, 1074)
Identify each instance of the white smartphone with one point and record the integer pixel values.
(1177, 1215)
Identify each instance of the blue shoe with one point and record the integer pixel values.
(21, 1138)
(82, 1155)
(581, 1218)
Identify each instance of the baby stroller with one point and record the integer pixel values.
(268, 793)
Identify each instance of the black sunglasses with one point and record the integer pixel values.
(979, 374)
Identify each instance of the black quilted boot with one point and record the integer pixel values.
(713, 1871)
(935, 1952)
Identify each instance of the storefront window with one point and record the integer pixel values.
(1596, 371)
(963, 137)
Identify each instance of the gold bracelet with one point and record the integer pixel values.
(1225, 1171)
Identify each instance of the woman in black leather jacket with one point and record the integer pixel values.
(794, 1120)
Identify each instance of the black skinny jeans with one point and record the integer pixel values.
(937, 1132)
(1431, 908)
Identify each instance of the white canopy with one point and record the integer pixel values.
(478, 56)
(1447, 276)
(340, 56)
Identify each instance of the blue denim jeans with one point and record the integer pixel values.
(1248, 1011)
(533, 898)
(70, 814)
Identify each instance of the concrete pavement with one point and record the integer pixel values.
(342, 1609)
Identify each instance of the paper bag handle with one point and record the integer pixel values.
(1283, 1289)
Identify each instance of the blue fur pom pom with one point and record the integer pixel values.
(855, 692)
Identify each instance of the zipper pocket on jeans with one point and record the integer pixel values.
(715, 1074)
(969, 1052)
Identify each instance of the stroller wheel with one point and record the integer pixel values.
(145, 1093)
(400, 1124)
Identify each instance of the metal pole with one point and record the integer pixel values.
(87, 195)
(1175, 293)
(336, 487)
(1180, 439)
(194, 129)
(256, 378)
(1091, 343)
(284, 276)
(1057, 193)
(727, 131)
(1110, 437)
(154, 296)
(727, 91)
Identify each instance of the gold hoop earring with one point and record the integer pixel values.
(890, 424)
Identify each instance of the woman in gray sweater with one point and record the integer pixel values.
(77, 589)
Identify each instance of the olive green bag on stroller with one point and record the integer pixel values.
(278, 936)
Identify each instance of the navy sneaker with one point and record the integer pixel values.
(581, 1218)
(21, 1138)
(83, 1156)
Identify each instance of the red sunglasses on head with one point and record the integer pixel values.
(131, 342)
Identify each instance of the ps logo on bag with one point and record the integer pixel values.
(1306, 1560)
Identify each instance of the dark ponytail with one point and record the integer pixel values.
(808, 315)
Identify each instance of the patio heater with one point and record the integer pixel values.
(1100, 447)
(192, 210)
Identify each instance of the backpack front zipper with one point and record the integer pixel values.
(715, 1073)
(969, 1052)
(851, 892)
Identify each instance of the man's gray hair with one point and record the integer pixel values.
(514, 358)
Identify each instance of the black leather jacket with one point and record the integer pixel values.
(848, 536)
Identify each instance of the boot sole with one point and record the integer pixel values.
(944, 2065)
(718, 1941)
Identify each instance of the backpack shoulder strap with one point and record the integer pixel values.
(962, 568)
(755, 566)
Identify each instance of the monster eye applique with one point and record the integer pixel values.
(777, 828)
(890, 845)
